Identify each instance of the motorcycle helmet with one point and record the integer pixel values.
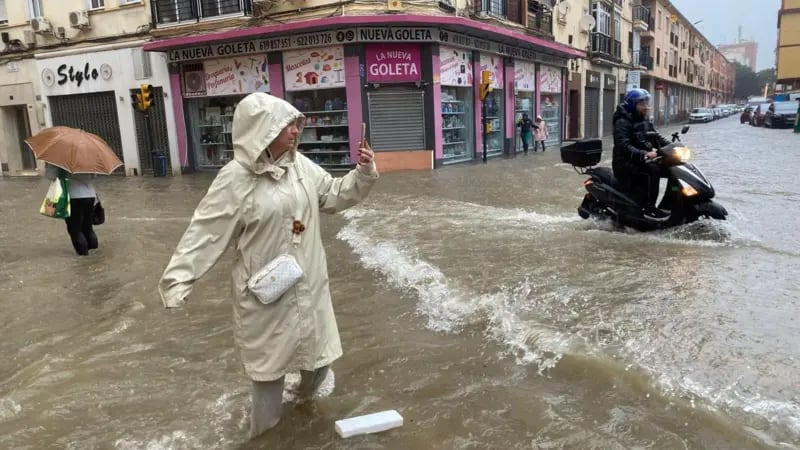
(633, 97)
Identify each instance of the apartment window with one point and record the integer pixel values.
(35, 8)
(617, 27)
(96, 4)
(494, 7)
(602, 13)
(660, 20)
(658, 56)
(128, 2)
(3, 13)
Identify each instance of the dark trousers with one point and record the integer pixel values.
(79, 225)
(536, 145)
(642, 184)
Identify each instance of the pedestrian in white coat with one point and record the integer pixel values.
(267, 202)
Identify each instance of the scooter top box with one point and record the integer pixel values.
(583, 153)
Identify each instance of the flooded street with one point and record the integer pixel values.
(472, 299)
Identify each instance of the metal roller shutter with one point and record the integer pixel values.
(591, 113)
(609, 107)
(95, 113)
(397, 119)
(159, 137)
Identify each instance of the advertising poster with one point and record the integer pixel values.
(524, 76)
(494, 64)
(240, 75)
(550, 79)
(455, 66)
(314, 68)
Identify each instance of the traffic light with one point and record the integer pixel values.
(146, 97)
(486, 84)
(135, 94)
(488, 127)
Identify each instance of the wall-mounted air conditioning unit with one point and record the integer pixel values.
(40, 25)
(79, 19)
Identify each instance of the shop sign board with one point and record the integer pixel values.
(524, 76)
(393, 63)
(363, 35)
(239, 75)
(314, 68)
(455, 66)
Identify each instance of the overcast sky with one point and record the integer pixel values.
(721, 20)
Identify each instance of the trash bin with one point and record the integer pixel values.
(159, 164)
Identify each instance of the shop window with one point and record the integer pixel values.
(457, 123)
(325, 138)
(211, 130)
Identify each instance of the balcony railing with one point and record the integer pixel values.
(540, 18)
(641, 13)
(642, 58)
(604, 46)
(170, 12)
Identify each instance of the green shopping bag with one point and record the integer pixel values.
(56, 202)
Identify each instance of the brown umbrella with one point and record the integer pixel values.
(73, 150)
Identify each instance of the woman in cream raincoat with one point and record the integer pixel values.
(254, 203)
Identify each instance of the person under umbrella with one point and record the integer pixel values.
(76, 156)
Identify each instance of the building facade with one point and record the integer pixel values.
(76, 63)
(409, 70)
(788, 52)
(745, 53)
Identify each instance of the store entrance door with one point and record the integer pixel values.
(574, 127)
(592, 113)
(23, 131)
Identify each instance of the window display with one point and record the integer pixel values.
(524, 86)
(211, 130)
(325, 139)
(457, 104)
(456, 114)
(550, 83)
(495, 104)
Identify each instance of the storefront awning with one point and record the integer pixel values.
(447, 30)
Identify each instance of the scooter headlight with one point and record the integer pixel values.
(683, 153)
(687, 190)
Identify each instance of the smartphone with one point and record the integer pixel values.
(363, 131)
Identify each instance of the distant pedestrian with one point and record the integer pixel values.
(541, 133)
(526, 126)
(82, 201)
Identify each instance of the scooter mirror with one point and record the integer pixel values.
(685, 129)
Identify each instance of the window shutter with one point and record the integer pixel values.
(397, 118)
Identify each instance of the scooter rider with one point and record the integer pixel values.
(633, 148)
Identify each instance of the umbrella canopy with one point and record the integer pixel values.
(73, 150)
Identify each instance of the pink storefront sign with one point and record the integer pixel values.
(393, 63)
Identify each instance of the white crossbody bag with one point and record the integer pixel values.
(280, 274)
(274, 279)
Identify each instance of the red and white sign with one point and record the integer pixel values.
(393, 63)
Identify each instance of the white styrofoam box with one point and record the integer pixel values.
(370, 423)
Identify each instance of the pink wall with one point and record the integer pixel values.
(509, 88)
(180, 119)
(275, 73)
(438, 145)
(353, 90)
(476, 88)
(538, 93)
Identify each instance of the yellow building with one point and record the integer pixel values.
(789, 46)
(75, 63)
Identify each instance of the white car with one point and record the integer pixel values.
(701, 115)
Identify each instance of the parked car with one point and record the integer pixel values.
(757, 118)
(781, 114)
(717, 113)
(746, 113)
(701, 115)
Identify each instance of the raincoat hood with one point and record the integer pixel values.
(258, 120)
